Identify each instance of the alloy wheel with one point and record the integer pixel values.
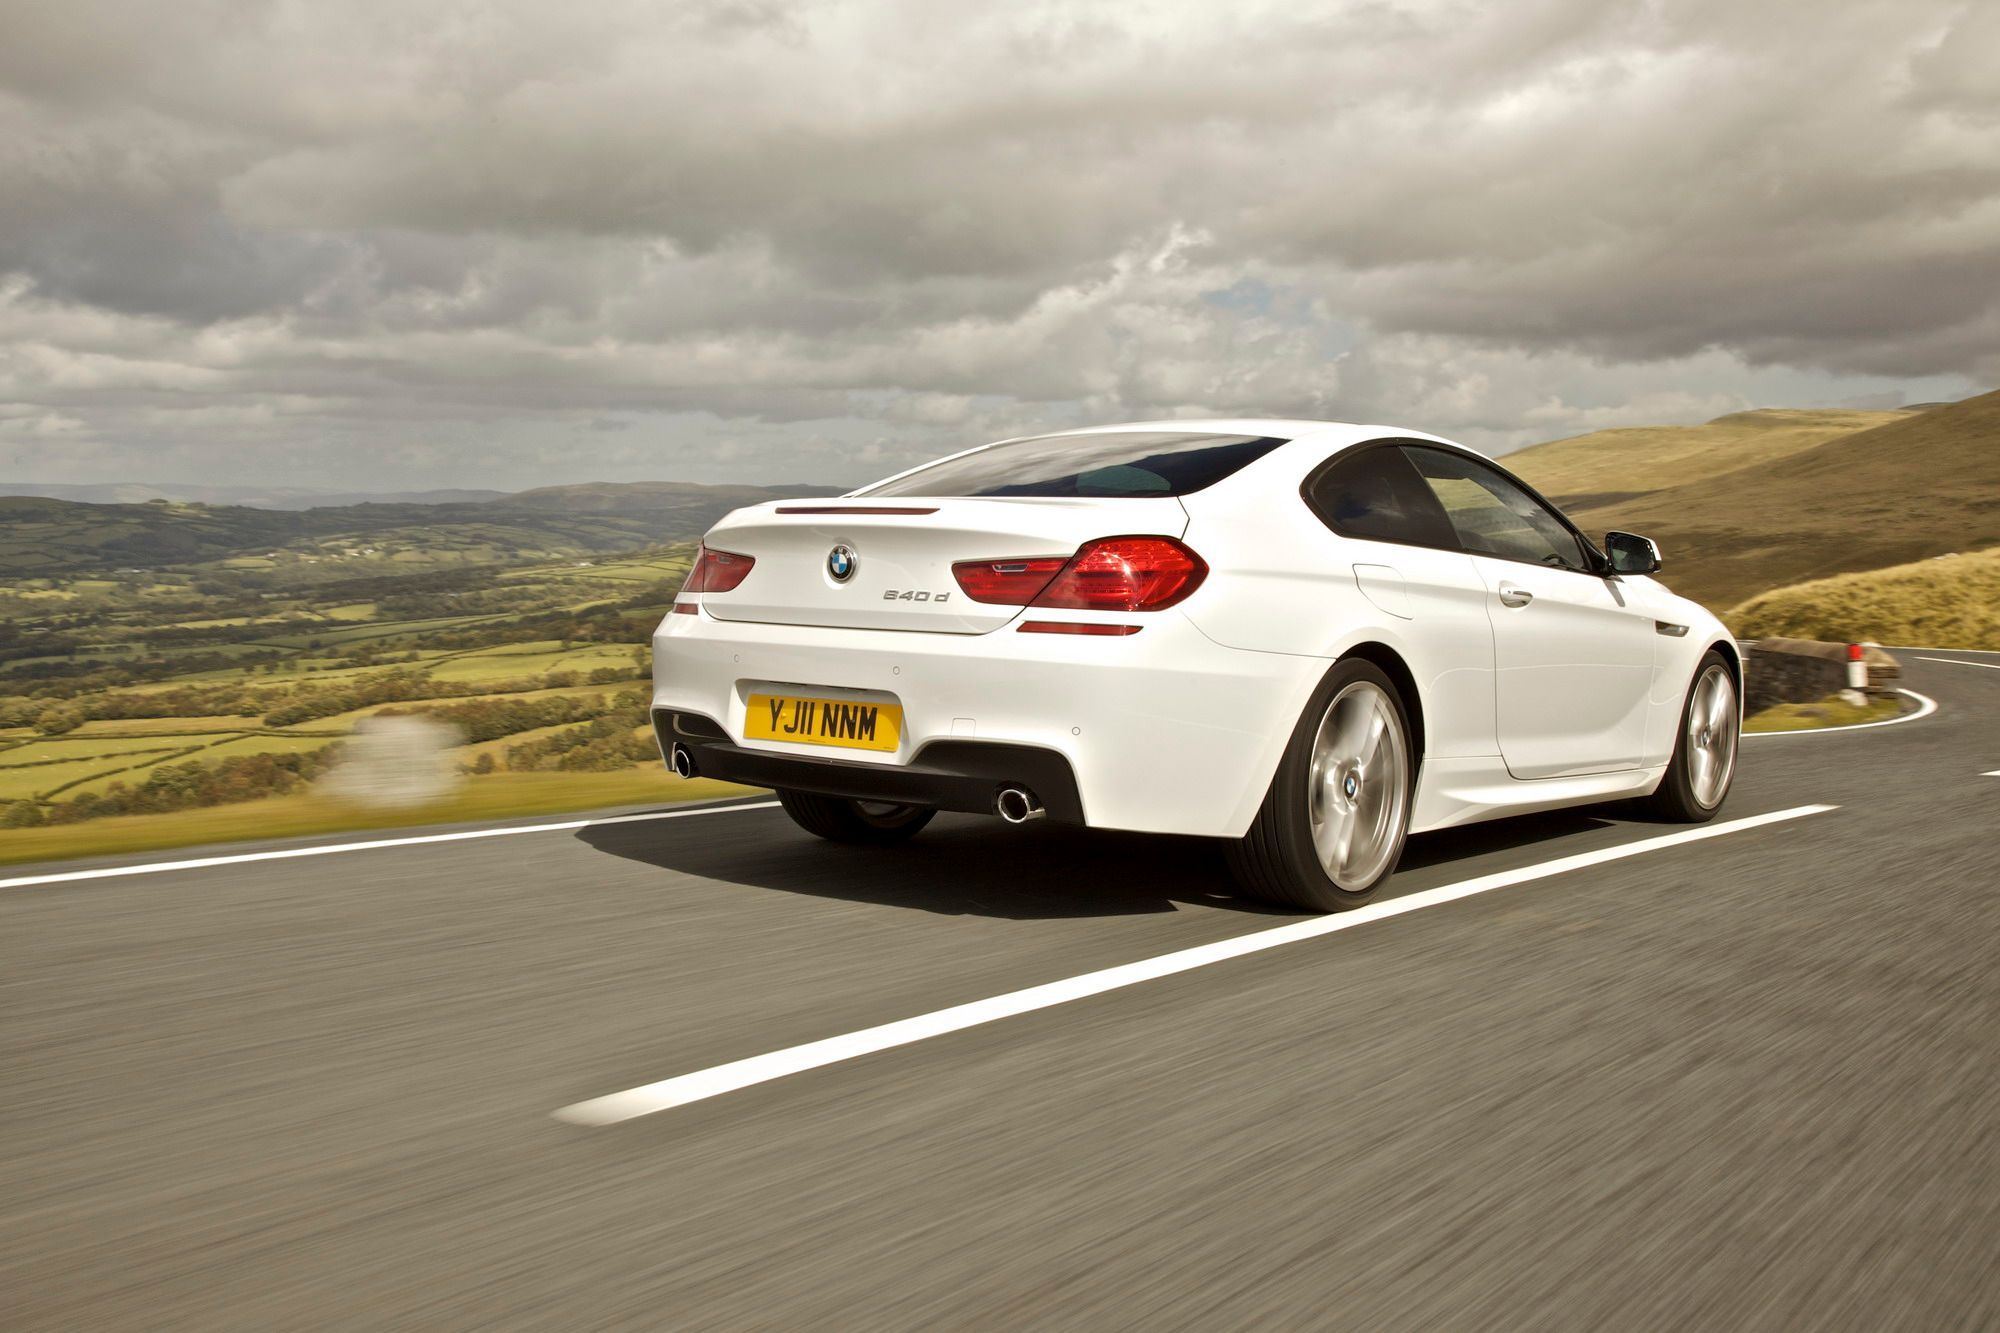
(1358, 785)
(1711, 737)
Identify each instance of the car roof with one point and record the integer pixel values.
(1288, 428)
(1295, 431)
(1218, 425)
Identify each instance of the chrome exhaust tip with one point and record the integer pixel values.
(1017, 805)
(682, 761)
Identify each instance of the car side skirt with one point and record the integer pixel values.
(1453, 792)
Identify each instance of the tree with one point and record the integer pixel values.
(58, 718)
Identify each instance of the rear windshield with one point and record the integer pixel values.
(1138, 464)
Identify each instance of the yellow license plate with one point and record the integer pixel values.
(838, 722)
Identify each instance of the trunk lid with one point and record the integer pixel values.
(901, 551)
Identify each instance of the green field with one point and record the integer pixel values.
(276, 663)
(157, 726)
(267, 742)
(97, 745)
(502, 665)
(468, 755)
(70, 765)
(43, 780)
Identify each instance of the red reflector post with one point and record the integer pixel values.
(1125, 574)
(1854, 653)
(1077, 627)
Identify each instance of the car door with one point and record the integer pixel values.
(1573, 655)
(1406, 562)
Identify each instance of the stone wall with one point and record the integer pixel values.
(1791, 671)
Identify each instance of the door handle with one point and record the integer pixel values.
(1513, 596)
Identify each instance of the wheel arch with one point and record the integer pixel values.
(1732, 657)
(1275, 857)
(1383, 657)
(1391, 664)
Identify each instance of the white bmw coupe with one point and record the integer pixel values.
(1306, 638)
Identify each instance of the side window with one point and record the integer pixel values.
(1373, 493)
(1493, 516)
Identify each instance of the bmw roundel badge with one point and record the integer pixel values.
(840, 562)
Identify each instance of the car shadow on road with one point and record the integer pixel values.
(967, 866)
(959, 866)
(1540, 834)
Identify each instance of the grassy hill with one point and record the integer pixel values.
(41, 536)
(1781, 508)
(59, 536)
(652, 497)
(1952, 601)
(1610, 465)
(260, 497)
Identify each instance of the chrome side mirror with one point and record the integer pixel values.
(1630, 553)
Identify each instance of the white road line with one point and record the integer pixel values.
(1925, 707)
(289, 853)
(1953, 661)
(1994, 774)
(705, 1083)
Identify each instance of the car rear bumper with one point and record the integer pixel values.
(1163, 731)
(967, 776)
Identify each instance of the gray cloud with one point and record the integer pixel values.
(425, 243)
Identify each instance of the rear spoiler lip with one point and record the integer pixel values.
(852, 509)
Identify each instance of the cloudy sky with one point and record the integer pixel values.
(495, 244)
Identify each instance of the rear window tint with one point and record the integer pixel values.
(1134, 464)
(1374, 494)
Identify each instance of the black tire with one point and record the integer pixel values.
(1675, 799)
(1276, 860)
(868, 823)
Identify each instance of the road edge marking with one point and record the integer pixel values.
(701, 1084)
(1925, 707)
(1953, 661)
(327, 849)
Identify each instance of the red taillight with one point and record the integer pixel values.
(717, 571)
(1125, 574)
(1110, 574)
(1006, 582)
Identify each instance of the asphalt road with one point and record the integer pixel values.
(1752, 1080)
